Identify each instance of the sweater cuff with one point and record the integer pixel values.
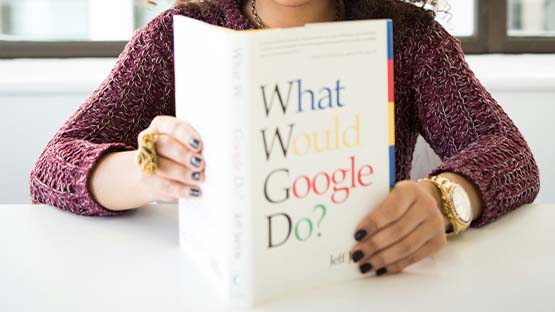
(505, 181)
(61, 177)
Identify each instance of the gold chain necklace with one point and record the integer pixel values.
(340, 13)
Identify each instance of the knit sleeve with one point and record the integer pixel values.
(468, 129)
(139, 87)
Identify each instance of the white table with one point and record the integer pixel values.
(51, 260)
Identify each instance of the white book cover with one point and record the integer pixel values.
(297, 126)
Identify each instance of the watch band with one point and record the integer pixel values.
(448, 208)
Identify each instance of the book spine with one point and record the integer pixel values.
(203, 222)
(240, 223)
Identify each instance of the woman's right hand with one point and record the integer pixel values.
(180, 161)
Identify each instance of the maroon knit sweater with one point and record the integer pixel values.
(436, 95)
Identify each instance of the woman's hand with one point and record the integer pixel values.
(406, 228)
(180, 162)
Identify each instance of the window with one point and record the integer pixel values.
(502, 26)
(460, 19)
(98, 28)
(521, 26)
(531, 18)
(71, 28)
(90, 20)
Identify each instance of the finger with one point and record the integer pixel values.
(392, 208)
(168, 201)
(406, 246)
(180, 130)
(170, 148)
(166, 189)
(430, 248)
(389, 235)
(172, 170)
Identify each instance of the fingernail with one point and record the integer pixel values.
(194, 143)
(196, 176)
(194, 192)
(360, 234)
(381, 271)
(357, 255)
(365, 268)
(196, 162)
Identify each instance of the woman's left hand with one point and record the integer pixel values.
(406, 228)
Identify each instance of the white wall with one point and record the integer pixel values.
(37, 96)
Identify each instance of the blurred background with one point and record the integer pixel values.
(54, 53)
(106, 20)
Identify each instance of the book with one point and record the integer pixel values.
(298, 133)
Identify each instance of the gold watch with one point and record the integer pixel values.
(456, 203)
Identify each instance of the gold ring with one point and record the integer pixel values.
(147, 158)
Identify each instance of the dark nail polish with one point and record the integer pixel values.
(196, 162)
(360, 234)
(365, 268)
(194, 143)
(194, 192)
(196, 176)
(381, 271)
(357, 255)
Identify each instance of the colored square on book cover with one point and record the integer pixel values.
(391, 167)
(391, 113)
(390, 81)
(390, 39)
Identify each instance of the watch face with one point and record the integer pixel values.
(462, 204)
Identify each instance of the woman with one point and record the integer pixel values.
(90, 168)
